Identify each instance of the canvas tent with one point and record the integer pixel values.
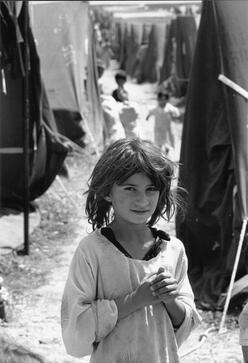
(141, 47)
(214, 152)
(179, 51)
(153, 57)
(65, 42)
(31, 152)
(133, 47)
(163, 48)
(47, 152)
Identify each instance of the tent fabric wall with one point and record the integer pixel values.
(141, 47)
(213, 156)
(179, 52)
(65, 48)
(126, 29)
(186, 32)
(140, 55)
(233, 34)
(133, 48)
(166, 69)
(150, 65)
(145, 33)
(50, 152)
(47, 153)
(58, 29)
(117, 40)
(95, 117)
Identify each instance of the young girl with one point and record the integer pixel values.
(127, 298)
(163, 114)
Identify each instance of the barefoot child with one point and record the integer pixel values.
(163, 114)
(127, 297)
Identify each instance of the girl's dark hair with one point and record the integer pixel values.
(121, 160)
(121, 75)
(164, 94)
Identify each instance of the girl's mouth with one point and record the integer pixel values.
(139, 211)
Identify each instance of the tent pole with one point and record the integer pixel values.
(234, 271)
(26, 132)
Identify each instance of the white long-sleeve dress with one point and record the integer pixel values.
(163, 134)
(100, 273)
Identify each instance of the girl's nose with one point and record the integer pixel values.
(142, 199)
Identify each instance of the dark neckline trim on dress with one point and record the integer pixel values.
(158, 235)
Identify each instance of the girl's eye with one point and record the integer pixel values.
(152, 189)
(131, 189)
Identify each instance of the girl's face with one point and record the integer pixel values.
(134, 201)
(162, 101)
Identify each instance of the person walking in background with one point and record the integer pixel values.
(243, 332)
(113, 129)
(163, 114)
(120, 94)
(127, 110)
(127, 297)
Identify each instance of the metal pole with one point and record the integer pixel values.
(26, 131)
(235, 267)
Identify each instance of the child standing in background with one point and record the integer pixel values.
(127, 110)
(163, 114)
(127, 297)
(120, 93)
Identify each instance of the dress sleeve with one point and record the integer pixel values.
(192, 317)
(85, 320)
(151, 112)
(174, 111)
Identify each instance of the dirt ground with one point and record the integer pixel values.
(35, 282)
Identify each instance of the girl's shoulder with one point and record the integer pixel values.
(91, 241)
(173, 250)
(170, 108)
(169, 105)
(177, 244)
(171, 241)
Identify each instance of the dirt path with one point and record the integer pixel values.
(36, 282)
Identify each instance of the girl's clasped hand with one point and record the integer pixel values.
(164, 286)
(161, 286)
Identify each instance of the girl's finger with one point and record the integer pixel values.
(163, 293)
(161, 277)
(164, 282)
(164, 287)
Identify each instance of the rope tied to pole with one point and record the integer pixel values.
(202, 338)
(234, 271)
